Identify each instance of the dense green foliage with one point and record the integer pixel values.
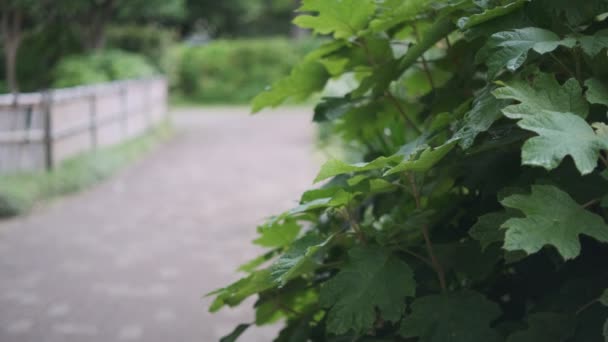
(477, 209)
(234, 71)
(151, 41)
(101, 67)
(19, 192)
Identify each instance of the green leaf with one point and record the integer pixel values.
(278, 234)
(395, 12)
(604, 298)
(487, 229)
(236, 333)
(509, 49)
(427, 159)
(336, 167)
(597, 92)
(454, 317)
(546, 327)
(486, 110)
(305, 79)
(552, 217)
(489, 14)
(593, 45)
(252, 265)
(372, 279)
(235, 293)
(343, 19)
(543, 94)
(299, 258)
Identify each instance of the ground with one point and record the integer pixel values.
(131, 259)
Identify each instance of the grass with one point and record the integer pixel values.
(21, 191)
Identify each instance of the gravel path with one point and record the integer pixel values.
(129, 259)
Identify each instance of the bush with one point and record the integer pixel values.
(101, 67)
(234, 71)
(151, 41)
(477, 211)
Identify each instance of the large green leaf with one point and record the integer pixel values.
(424, 162)
(544, 93)
(236, 333)
(486, 110)
(395, 12)
(509, 49)
(597, 91)
(343, 18)
(278, 234)
(487, 229)
(559, 133)
(489, 14)
(455, 317)
(305, 79)
(299, 258)
(553, 218)
(546, 327)
(593, 45)
(373, 279)
(235, 293)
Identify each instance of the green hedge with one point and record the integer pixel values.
(101, 67)
(151, 41)
(234, 71)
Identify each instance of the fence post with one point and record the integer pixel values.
(47, 103)
(93, 120)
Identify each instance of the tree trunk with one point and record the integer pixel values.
(94, 28)
(11, 34)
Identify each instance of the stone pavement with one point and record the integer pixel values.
(130, 259)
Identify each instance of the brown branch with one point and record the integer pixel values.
(427, 238)
(425, 65)
(354, 225)
(591, 203)
(418, 256)
(401, 111)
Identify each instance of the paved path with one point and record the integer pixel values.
(129, 260)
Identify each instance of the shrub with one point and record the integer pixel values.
(234, 71)
(100, 67)
(478, 209)
(151, 41)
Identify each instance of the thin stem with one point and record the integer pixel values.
(425, 65)
(427, 238)
(604, 160)
(586, 306)
(418, 256)
(566, 69)
(591, 203)
(401, 111)
(354, 225)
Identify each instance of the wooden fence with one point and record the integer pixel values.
(39, 130)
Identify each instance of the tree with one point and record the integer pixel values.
(18, 16)
(477, 206)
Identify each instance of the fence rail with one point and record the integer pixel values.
(39, 130)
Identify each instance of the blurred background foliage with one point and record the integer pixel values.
(211, 51)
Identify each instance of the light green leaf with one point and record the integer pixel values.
(509, 49)
(373, 279)
(489, 14)
(252, 265)
(343, 19)
(487, 229)
(236, 333)
(604, 298)
(427, 159)
(299, 258)
(546, 327)
(234, 294)
(544, 94)
(593, 45)
(552, 218)
(597, 92)
(278, 234)
(486, 110)
(454, 317)
(305, 79)
(395, 12)
(336, 167)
